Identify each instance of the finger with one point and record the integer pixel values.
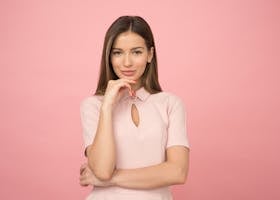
(84, 183)
(83, 165)
(129, 89)
(125, 85)
(84, 180)
(86, 173)
(133, 93)
(82, 177)
(82, 168)
(128, 86)
(122, 81)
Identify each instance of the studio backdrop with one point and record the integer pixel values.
(220, 57)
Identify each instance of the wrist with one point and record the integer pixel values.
(105, 107)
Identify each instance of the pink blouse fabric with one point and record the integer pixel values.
(162, 125)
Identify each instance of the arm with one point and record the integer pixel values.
(103, 146)
(101, 153)
(173, 171)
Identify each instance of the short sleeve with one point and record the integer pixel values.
(89, 111)
(177, 130)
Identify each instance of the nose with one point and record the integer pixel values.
(127, 60)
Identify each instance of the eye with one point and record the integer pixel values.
(116, 53)
(137, 52)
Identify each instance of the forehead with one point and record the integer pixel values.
(129, 40)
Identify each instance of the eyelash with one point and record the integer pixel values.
(137, 52)
(116, 53)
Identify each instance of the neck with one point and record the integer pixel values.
(136, 86)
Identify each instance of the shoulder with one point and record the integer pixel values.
(167, 97)
(168, 101)
(91, 102)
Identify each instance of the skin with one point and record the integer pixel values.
(129, 52)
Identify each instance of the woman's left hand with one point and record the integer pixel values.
(88, 178)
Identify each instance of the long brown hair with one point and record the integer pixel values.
(137, 25)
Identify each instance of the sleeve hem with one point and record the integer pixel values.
(185, 145)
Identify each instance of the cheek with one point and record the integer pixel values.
(141, 68)
(115, 64)
(141, 62)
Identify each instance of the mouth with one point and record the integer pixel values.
(128, 72)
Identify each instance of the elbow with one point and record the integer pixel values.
(181, 176)
(101, 174)
(182, 179)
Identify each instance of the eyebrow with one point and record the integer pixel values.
(134, 48)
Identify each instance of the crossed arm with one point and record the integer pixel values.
(173, 171)
(102, 172)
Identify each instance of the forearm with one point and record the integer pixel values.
(155, 176)
(101, 154)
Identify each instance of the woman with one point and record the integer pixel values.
(134, 133)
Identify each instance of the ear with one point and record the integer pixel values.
(150, 54)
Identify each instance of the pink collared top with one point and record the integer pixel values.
(162, 124)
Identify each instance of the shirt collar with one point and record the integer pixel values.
(141, 94)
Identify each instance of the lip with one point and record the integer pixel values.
(128, 72)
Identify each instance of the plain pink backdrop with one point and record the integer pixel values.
(221, 57)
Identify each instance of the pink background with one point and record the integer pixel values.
(221, 57)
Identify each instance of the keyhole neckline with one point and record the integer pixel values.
(135, 117)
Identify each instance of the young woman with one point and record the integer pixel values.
(134, 133)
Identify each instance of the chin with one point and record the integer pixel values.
(129, 77)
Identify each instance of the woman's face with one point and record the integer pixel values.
(129, 56)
